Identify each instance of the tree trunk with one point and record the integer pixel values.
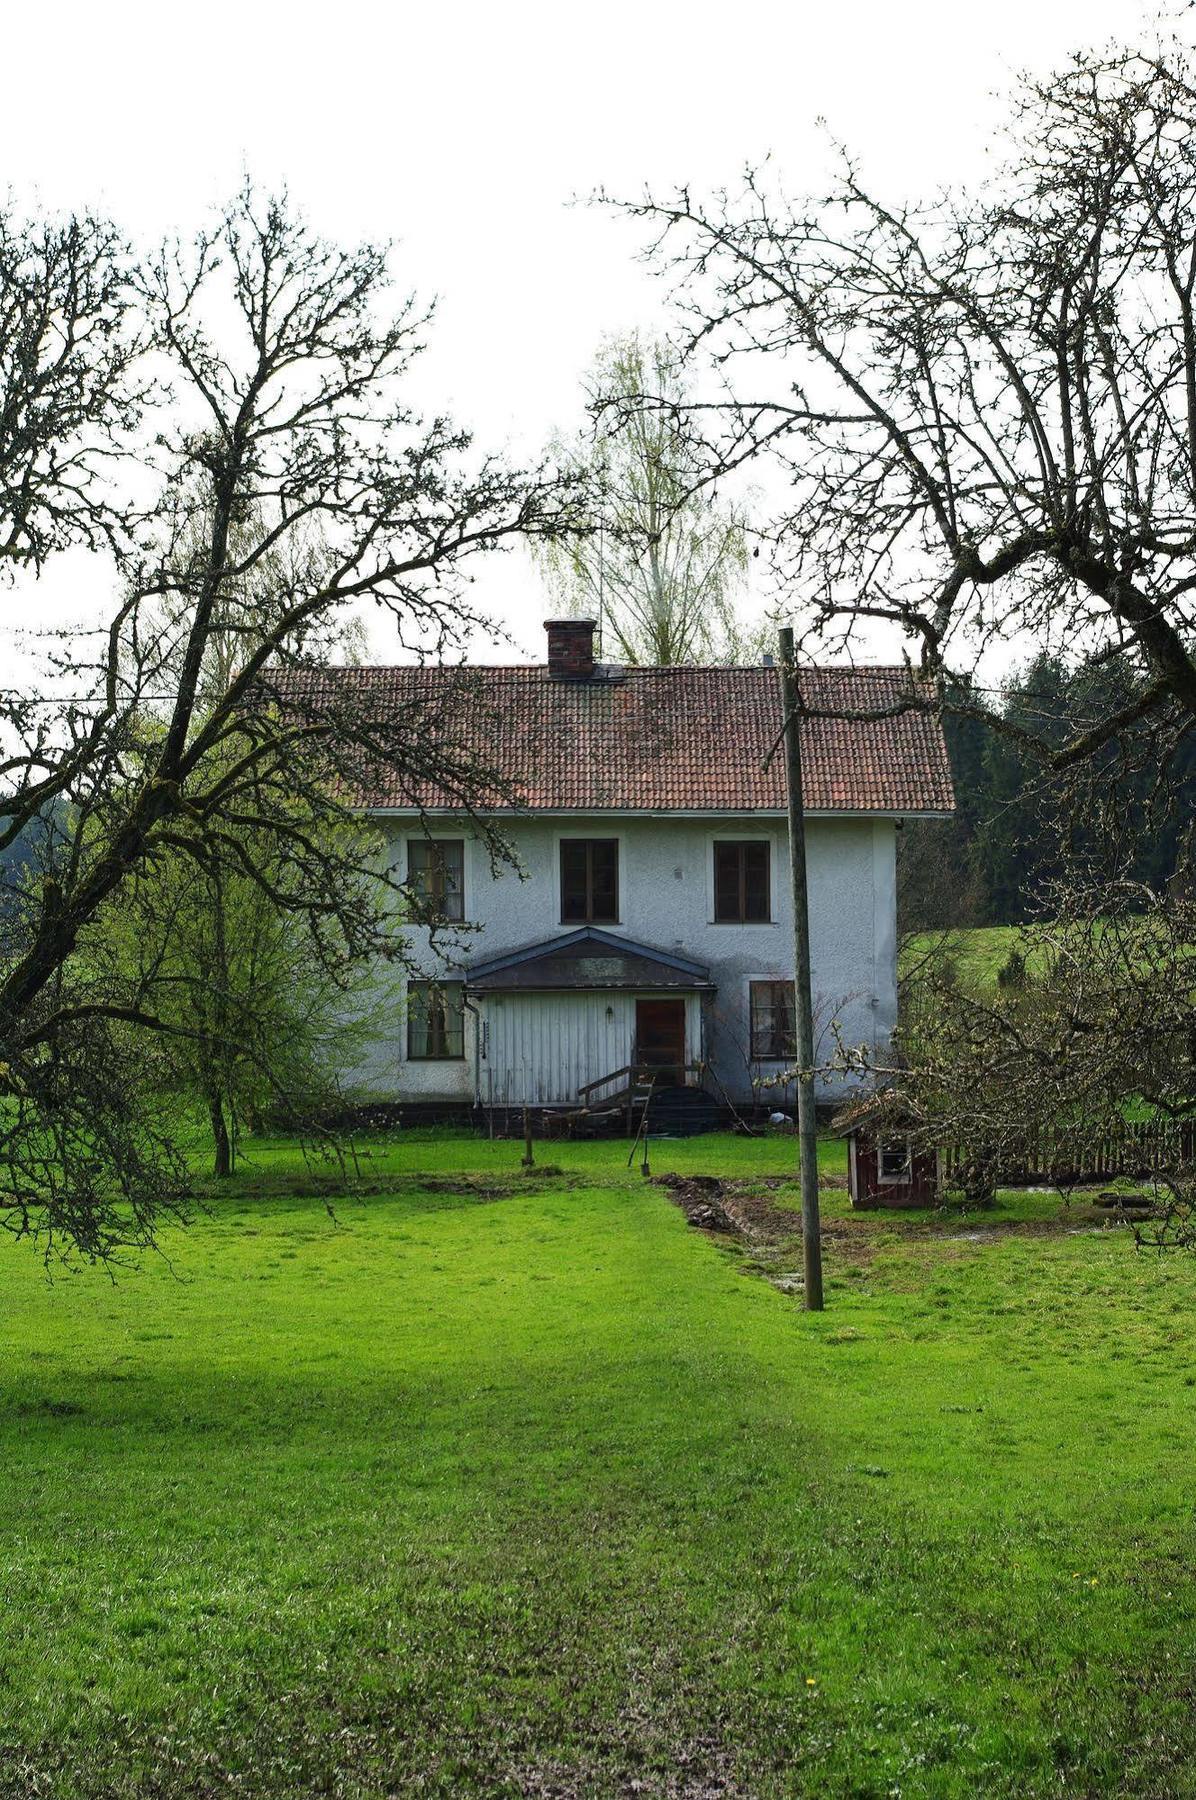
(980, 1180)
(223, 1164)
(220, 1131)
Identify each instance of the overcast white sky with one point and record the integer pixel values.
(463, 132)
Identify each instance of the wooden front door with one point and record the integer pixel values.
(660, 1035)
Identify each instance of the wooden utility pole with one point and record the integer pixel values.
(807, 1133)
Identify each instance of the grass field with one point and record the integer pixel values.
(495, 1485)
(977, 952)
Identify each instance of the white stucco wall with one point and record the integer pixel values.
(666, 896)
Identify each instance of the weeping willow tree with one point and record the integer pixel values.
(663, 566)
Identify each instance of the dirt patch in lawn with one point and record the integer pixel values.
(976, 1230)
(749, 1208)
(483, 1187)
(702, 1198)
(750, 1213)
(349, 1182)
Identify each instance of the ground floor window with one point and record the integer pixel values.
(774, 1034)
(894, 1160)
(435, 1021)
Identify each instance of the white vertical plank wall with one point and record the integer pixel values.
(541, 1048)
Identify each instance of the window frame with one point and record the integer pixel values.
(906, 1174)
(589, 840)
(741, 845)
(772, 981)
(430, 917)
(426, 986)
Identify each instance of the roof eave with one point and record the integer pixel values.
(657, 812)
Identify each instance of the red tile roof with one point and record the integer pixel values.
(672, 739)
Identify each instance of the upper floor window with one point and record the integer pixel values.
(589, 881)
(741, 882)
(435, 1021)
(436, 876)
(774, 1033)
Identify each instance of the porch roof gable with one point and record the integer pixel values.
(587, 958)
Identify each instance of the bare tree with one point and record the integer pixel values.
(241, 448)
(662, 562)
(984, 408)
(983, 414)
(72, 384)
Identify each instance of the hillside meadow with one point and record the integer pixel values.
(977, 952)
(470, 1482)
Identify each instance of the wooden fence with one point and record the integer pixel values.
(1138, 1148)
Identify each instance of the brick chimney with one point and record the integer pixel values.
(570, 647)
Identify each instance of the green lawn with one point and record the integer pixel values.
(473, 1491)
(978, 952)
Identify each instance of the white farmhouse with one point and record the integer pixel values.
(649, 926)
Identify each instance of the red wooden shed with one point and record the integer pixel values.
(885, 1166)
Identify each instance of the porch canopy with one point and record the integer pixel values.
(587, 959)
